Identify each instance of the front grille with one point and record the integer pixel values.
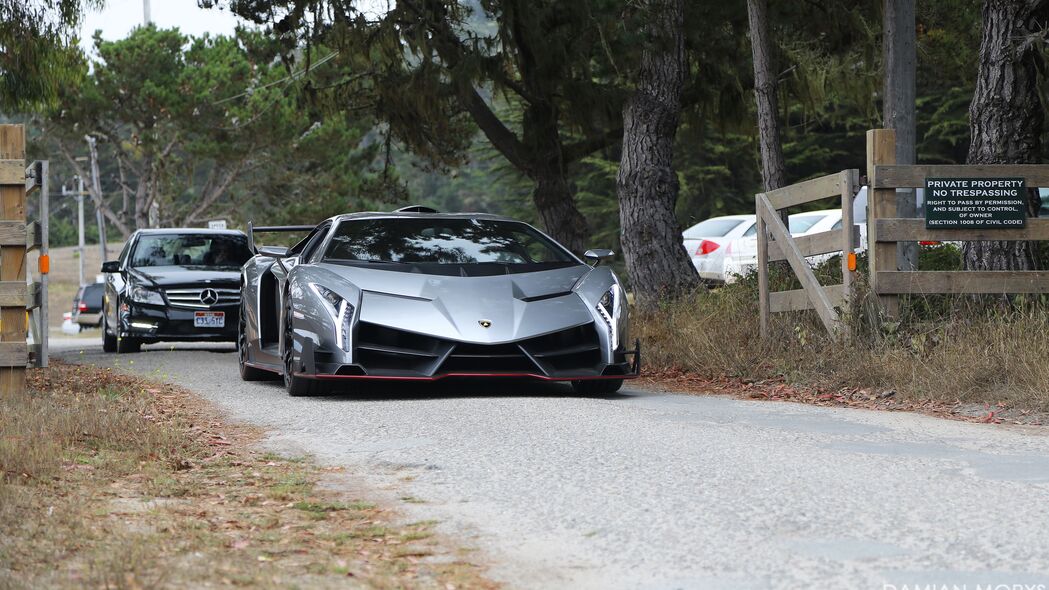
(487, 358)
(386, 350)
(572, 349)
(191, 298)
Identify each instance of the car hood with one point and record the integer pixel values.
(513, 306)
(162, 276)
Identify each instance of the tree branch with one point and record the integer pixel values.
(96, 199)
(584, 147)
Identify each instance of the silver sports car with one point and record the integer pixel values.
(418, 295)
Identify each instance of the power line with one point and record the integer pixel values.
(289, 78)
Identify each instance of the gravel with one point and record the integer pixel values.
(646, 490)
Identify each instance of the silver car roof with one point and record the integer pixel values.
(416, 215)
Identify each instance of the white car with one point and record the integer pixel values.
(707, 241)
(741, 256)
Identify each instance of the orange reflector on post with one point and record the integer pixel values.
(45, 264)
(852, 261)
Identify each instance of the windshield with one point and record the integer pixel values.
(446, 246)
(800, 224)
(711, 228)
(212, 251)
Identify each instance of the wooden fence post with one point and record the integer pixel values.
(881, 204)
(13, 266)
(763, 269)
(849, 181)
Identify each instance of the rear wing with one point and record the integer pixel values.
(253, 229)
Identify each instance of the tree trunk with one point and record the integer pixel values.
(773, 166)
(553, 195)
(1005, 116)
(658, 264)
(561, 219)
(900, 57)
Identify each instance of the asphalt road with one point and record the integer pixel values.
(645, 490)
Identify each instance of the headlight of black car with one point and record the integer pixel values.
(341, 312)
(142, 294)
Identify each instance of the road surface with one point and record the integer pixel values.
(654, 491)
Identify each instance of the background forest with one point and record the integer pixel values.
(239, 128)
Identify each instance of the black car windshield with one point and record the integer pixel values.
(201, 250)
(446, 246)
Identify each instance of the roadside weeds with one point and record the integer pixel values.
(112, 481)
(954, 359)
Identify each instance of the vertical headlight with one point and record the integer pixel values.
(610, 308)
(341, 312)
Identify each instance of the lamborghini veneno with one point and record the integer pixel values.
(418, 295)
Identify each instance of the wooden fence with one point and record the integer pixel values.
(776, 243)
(17, 297)
(885, 229)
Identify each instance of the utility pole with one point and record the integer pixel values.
(96, 186)
(79, 195)
(899, 106)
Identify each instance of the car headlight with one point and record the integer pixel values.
(611, 309)
(140, 294)
(341, 312)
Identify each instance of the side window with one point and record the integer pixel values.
(753, 231)
(313, 241)
(837, 225)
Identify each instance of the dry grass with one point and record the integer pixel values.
(109, 481)
(947, 350)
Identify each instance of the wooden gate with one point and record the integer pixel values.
(776, 243)
(885, 229)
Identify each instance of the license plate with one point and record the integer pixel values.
(209, 319)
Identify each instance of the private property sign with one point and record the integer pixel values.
(975, 203)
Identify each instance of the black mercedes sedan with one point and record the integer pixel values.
(173, 285)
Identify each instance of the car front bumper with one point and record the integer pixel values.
(154, 323)
(474, 363)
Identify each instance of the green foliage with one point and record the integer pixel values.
(38, 53)
(830, 54)
(213, 127)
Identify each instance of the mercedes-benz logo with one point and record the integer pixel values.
(485, 323)
(209, 297)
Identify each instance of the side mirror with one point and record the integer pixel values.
(595, 256)
(274, 251)
(111, 266)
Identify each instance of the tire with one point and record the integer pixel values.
(109, 341)
(296, 386)
(247, 372)
(597, 386)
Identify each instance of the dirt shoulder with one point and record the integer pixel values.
(678, 381)
(117, 482)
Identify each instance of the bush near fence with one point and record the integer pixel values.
(942, 347)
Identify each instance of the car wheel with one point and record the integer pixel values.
(109, 341)
(296, 386)
(247, 372)
(597, 386)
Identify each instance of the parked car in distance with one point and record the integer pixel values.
(741, 256)
(87, 305)
(173, 285)
(706, 242)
